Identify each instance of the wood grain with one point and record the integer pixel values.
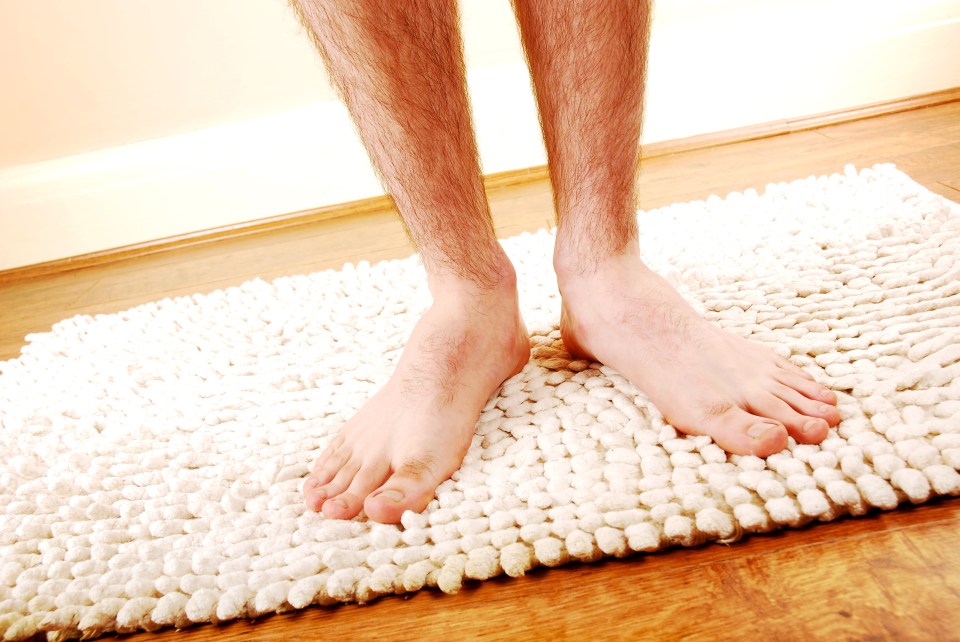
(885, 576)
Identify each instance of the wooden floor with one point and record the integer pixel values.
(883, 576)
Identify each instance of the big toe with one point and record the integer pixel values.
(741, 433)
(410, 488)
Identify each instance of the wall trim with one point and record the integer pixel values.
(492, 181)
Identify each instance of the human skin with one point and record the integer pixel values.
(399, 68)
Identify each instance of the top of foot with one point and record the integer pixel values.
(704, 380)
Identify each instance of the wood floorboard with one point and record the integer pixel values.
(893, 575)
(919, 127)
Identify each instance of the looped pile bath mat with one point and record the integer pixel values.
(153, 459)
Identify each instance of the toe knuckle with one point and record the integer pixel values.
(417, 467)
(716, 408)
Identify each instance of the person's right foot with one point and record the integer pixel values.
(413, 434)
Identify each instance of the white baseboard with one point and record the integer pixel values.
(706, 74)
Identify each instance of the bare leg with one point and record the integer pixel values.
(588, 58)
(399, 67)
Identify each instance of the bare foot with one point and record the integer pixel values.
(413, 434)
(704, 380)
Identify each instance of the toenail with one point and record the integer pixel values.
(824, 393)
(310, 484)
(757, 431)
(392, 495)
(825, 408)
(813, 424)
(339, 502)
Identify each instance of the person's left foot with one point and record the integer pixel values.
(704, 380)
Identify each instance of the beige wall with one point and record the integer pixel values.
(86, 75)
(91, 74)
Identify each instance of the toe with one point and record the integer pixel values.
(411, 487)
(348, 504)
(329, 464)
(741, 433)
(811, 408)
(310, 496)
(813, 431)
(787, 366)
(333, 447)
(804, 428)
(808, 387)
(318, 493)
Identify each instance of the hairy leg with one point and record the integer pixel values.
(588, 62)
(399, 68)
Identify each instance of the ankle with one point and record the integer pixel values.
(498, 281)
(574, 267)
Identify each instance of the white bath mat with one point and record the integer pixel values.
(153, 459)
